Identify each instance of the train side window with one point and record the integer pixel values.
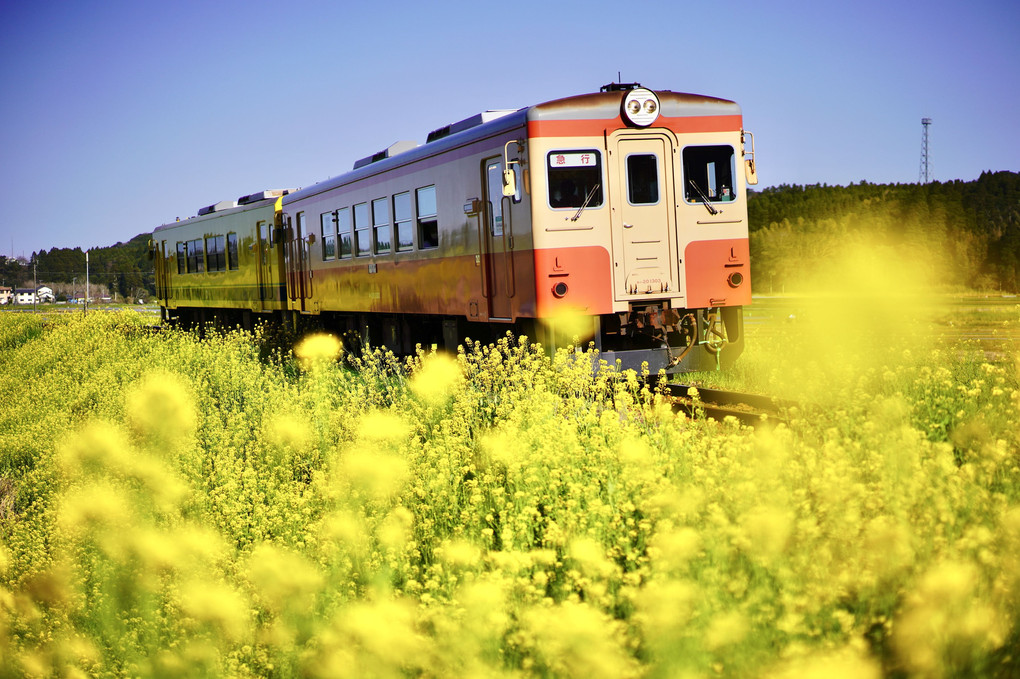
(402, 222)
(196, 256)
(381, 224)
(182, 257)
(345, 231)
(327, 221)
(265, 235)
(362, 230)
(232, 262)
(708, 173)
(215, 253)
(575, 178)
(643, 179)
(428, 224)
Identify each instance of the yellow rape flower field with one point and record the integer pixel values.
(176, 507)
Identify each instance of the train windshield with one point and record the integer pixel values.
(708, 173)
(575, 179)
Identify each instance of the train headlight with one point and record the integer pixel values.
(641, 107)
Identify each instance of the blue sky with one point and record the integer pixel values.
(118, 116)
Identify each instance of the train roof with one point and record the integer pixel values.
(489, 123)
(603, 105)
(249, 202)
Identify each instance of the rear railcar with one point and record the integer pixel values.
(224, 265)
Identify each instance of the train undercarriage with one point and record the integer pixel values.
(674, 340)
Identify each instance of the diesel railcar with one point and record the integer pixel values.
(627, 206)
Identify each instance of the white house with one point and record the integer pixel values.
(29, 296)
(6, 294)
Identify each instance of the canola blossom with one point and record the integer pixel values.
(171, 506)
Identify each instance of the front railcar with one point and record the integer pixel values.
(639, 219)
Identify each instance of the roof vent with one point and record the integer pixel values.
(218, 207)
(468, 123)
(263, 195)
(393, 150)
(619, 87)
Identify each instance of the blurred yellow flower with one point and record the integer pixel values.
(90, 507)
(726, 629)
(377, 473)
(282, 578)
(216, 604)
(569, 325)
(316, 349)
(437, 378)
(577, 640)
(161, 409)
(845, 663)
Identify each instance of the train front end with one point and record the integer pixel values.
(640, 223)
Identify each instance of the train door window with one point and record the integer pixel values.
(215, 253)
(196, 256)
(345, 232)
(327, 221)
(362, 230)
(182, 257)
(381, 224)
(708, 173)
(643, 179)
(232, 262)
(265, 235)
(494, 182)
(402, 233)
(575, 179)
(428, 224)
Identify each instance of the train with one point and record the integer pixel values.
(623, 210)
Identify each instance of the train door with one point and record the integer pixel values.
(644, 217)
(496, 246)
(269, 292)
(298, 273)
(162, 268)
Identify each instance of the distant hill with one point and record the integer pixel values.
(970, 231)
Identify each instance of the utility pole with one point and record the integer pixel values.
(85, 308)
(35, 285)
(925, 173)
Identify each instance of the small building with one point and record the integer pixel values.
(45, 294)
(6, 294)
(24, 296)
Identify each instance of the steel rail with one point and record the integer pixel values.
(717, 404)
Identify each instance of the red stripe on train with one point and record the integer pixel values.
(590, 128)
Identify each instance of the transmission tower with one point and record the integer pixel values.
(925, 174)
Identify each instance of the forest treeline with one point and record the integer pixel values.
(967, 232)
(124, 269)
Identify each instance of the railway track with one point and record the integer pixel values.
(717, 404)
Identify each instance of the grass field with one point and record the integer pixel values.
(175, 507)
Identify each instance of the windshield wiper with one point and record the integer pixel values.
(591, 194)
(704, 199)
